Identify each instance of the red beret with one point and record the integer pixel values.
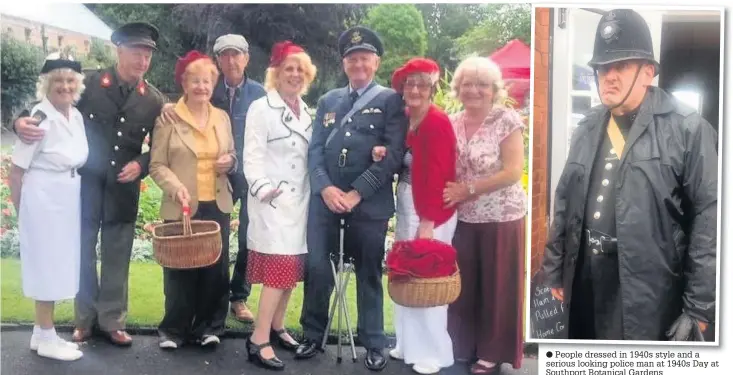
(414, 65)
(185, 61)
(282, 50)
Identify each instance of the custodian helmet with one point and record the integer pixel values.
(622, 34)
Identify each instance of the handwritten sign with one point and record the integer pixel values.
(548, 316)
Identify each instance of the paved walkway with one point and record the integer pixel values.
(229, 358)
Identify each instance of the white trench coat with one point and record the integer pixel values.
(275, 156)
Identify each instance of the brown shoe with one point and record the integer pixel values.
(241, 312)
(81, 335)
(119, 338)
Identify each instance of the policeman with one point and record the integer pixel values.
(347, 184)
(633, 243)
(119, 109)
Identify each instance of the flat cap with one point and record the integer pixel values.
(359, 38)
(233, 41)
(136, 34)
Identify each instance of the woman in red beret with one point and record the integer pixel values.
(429, 164)
(276, 137)
(190, 159)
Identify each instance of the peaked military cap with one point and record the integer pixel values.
(136, 34)
(359, 38)
(622, 34)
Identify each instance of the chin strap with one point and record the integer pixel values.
(598, 87)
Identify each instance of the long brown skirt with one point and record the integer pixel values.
(485, 322)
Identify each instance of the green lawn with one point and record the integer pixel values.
(146, 299)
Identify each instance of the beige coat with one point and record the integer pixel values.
(173, 161)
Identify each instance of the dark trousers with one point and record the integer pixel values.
(240, 288)
(196, 300)
(102, 299)
(364, 241)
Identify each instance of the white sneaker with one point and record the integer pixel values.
(425, 369)
(56, 349)
(396, 354)
(168, 344)
(35, 339)
(210, 340)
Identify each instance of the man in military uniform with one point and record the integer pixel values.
(119, 109)
(632, 249)
(348, 185)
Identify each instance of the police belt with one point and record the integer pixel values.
(600, 243)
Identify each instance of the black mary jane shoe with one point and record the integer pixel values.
(375, 360)
(307, 349)
(276, 336)
(254, 354)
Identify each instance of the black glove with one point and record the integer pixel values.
(685, 328)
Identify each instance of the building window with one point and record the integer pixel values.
(28, 34)
(61, 41)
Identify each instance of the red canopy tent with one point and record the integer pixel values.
(514, 60)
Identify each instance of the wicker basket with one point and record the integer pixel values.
(187, 244)
(426, 292)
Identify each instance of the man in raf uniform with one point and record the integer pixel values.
(119, 109)
(348, 185)
(632, 249)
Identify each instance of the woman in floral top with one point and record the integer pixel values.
(485, 322)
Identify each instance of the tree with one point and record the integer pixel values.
(403, 34)
(503, 23)
(21, 65)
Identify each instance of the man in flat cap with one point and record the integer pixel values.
(234, 92)
(119, 109)
(632, 249)
(349, 188)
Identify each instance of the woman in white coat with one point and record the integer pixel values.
(45, 189)
(276, 137)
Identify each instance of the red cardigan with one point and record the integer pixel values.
(433, 147)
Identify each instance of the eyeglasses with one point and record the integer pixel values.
(409, 85)
(479, 85)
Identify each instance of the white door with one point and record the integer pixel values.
(573, 81)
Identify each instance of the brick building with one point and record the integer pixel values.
(62, 25)
(687, 45)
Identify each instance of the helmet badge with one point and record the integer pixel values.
(609, 31)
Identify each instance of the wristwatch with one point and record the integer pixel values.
(471, 189)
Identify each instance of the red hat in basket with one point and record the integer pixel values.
(415, 65)
(281, 50)
(185, 61)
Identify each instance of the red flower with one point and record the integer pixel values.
(143, 186)
(7, 212)
(421, 258)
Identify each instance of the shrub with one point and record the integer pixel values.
(21, 64)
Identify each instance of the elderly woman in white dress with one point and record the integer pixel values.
(45, 189)
(276, 137)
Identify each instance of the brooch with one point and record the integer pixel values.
(328, 119)
(141, 88)
(106, 80)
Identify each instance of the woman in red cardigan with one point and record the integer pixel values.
(429, 163)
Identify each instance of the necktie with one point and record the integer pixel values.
(232, 92)
(354, 96)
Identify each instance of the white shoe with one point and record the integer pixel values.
(396, 354)
(425, 369)
(168, 344)
(35, 339)
(57, 349)
(209, 340)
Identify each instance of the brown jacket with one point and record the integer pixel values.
(173, 161)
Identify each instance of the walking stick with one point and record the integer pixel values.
(341, 273)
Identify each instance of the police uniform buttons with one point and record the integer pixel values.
(117, 148)
(371, 126)
(143, 129)
(349, 120)
(595, 251)
(91, 115)
(348, 134)
(113, 163)
(604, 182)
(599, 199)
(609, 166)
(122, 119)
(119, 134)
(343, 151)
(597, 215)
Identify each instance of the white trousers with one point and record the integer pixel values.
(422, 333)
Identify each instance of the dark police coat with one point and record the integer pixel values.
(345, 160)
(116, 126)
(665, 192)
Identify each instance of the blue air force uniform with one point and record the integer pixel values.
(340, 156)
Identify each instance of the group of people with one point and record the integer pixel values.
(77, 171)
